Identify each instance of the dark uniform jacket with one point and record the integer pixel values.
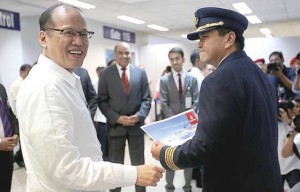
(236, 138)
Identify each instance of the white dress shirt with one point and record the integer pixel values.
(121, 71)
(59, 143)
(290, 163)
(196, 72)
(14, 91)
(99, 117)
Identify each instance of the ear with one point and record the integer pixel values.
(230, 39)
(42, 38)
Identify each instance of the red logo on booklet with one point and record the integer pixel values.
(191, 116)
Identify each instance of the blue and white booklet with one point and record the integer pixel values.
(174, 130)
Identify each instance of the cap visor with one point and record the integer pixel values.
(195, 35)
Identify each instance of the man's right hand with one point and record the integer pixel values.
(7, 144)
(125, 121)
(149, 175)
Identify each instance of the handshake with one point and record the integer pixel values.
(149, 175)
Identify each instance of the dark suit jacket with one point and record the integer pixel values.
(236, 137)
(11, 115)
(7, 158)
(171, 104)
(88, 90)
(114, 102)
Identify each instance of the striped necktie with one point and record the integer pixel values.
(5, 120)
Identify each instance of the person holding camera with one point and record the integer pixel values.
(289, 166)
(281, 76)
(296, 84)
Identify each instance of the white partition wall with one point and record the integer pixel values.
(11, 57)
(263, 47)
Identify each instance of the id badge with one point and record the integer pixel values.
(188, 102)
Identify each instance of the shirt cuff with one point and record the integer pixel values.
(130, 174)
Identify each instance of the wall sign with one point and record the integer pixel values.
(118, 34)
(9, 20)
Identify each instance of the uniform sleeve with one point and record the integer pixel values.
(215, 128)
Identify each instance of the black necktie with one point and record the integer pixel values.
(179, 85)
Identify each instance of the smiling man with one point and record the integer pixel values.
(60, 147)
(236, 137)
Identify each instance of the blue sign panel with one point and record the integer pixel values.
(118, 34)
(9, 20)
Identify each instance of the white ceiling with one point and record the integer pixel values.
(282, 17)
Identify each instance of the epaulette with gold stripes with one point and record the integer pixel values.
(169, 154)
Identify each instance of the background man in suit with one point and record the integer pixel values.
(88, 90)
(124, 98)
(9, 130)
(178, 92)
(236, 138)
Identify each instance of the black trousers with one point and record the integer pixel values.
(136, 145)
(6, 170)
(101, 130)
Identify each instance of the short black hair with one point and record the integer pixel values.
(99, 68)
(177, 50)
(298, 56)
(168, 69)
(25, 67)
(239, 40)
(194, 56)
(111, 62)
(279, 53)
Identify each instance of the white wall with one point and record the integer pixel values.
(11, 57)
(263, 47)
(30, 44)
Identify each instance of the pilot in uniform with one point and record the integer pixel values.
(236, 137)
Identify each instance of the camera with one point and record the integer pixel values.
(273, 67)
(285, 104)
(298, 71)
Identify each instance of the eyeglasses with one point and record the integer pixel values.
(71, 33)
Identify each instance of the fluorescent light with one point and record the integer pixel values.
(269, 36)
(79, 4)
(242, 8)
(130, 19)
(184, 36)
(132, 1)
(157, 27)
(253, 19)
(265, 31)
